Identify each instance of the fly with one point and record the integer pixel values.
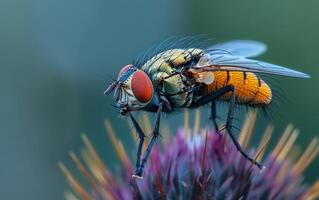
(192, 77)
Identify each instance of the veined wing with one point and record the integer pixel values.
(227, 62)
(244, 48)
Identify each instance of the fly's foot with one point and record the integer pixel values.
(260, 166)
(262, 169)
(138, 175)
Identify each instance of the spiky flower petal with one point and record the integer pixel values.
(193, 165)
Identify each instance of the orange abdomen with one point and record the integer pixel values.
(249, 88)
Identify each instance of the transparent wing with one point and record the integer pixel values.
(244, 48)
(228, 62)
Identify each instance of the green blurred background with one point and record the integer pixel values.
(57, 56)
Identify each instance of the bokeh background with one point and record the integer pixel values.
(57, 56)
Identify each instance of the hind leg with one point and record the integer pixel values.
(213, 116)
(217, 94)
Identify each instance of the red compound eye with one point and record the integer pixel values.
(124, 69)
(142, 86)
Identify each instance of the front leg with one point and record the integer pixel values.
(141, 136)
(139, 171)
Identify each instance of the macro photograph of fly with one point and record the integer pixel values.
(191, 77)
(159, 100)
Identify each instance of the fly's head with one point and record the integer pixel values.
(133, 89)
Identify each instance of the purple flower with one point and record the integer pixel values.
(199, 165)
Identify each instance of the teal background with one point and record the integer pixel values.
(56, 58)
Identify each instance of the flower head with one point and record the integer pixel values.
(194, 165)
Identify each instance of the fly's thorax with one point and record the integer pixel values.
(171, 59)
(179, 57)
(172, 88)
(161, 69)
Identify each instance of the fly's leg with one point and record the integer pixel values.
(139, 171)
(219, 93)
(228, 128)
(213, 114)
(141, 136)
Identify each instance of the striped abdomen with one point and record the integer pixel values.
(249, 88)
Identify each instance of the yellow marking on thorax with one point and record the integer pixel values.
(162, 66)
(248, 87)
